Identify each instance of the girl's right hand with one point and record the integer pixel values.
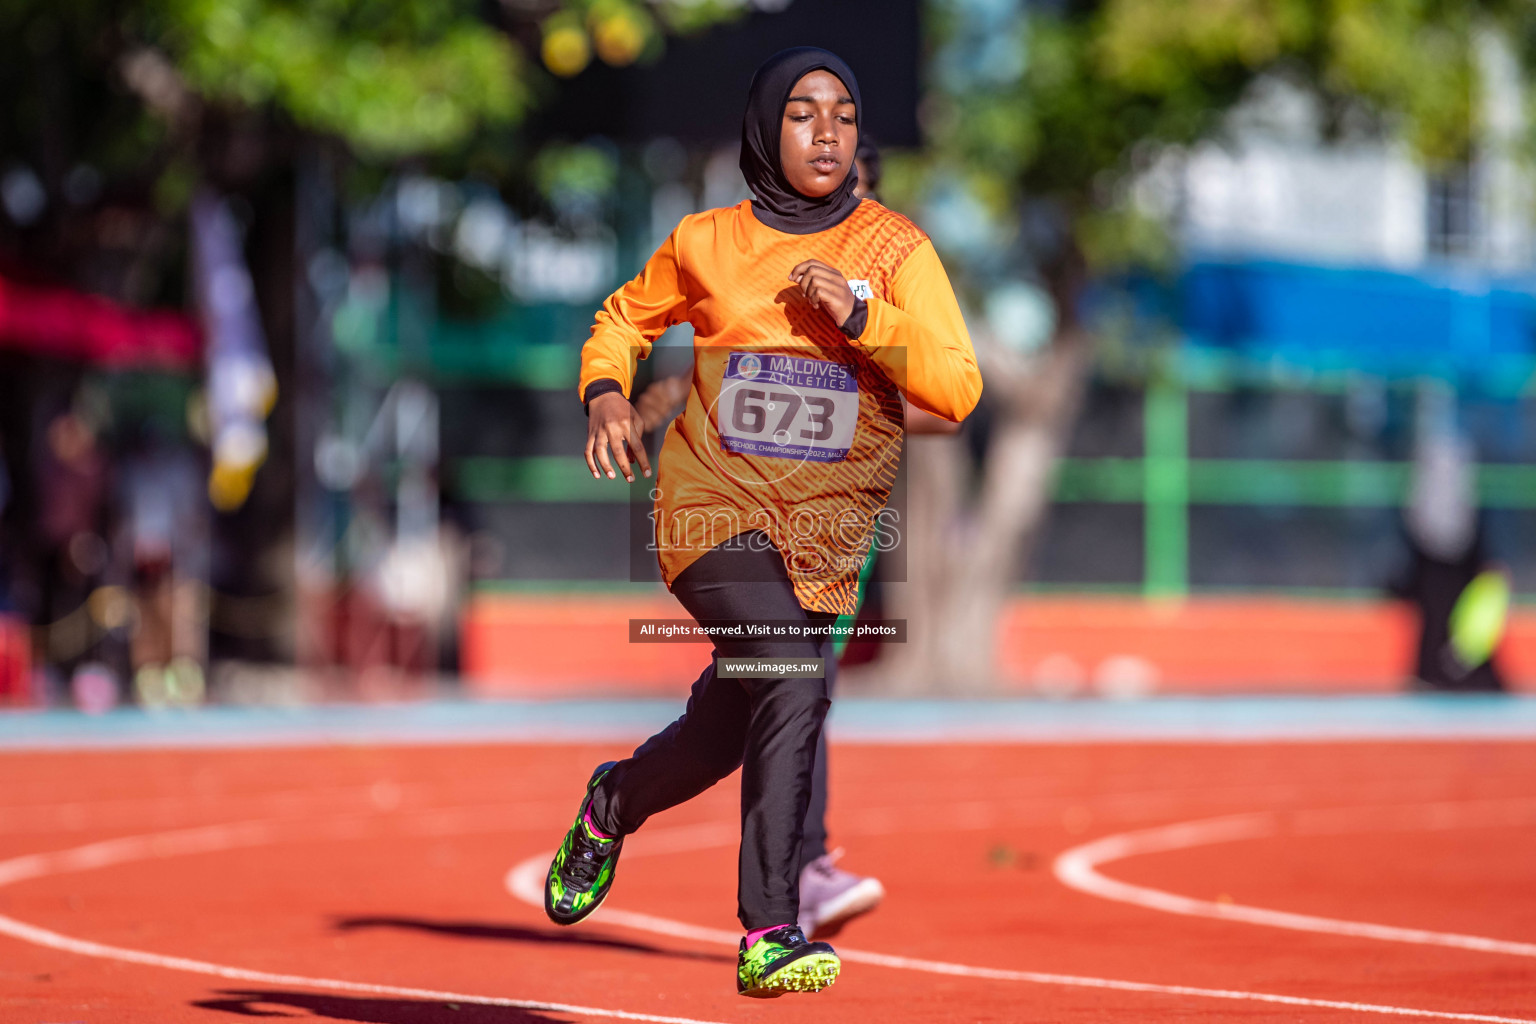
(613, 423)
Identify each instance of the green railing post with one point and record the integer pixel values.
(1165, 493)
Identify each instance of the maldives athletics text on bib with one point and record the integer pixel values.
(787, 407)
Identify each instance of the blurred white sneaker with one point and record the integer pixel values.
(829, 895)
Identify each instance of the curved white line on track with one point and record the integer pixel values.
(1077, 868)
(212, 839)
(525, 881)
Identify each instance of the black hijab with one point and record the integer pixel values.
(778, 204)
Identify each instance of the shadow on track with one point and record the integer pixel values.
(263, 1003)
(515, 933)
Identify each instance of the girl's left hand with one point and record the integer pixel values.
(825, 288)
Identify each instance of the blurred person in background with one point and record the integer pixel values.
(166, 525)
(5, 545)
(1460, 595)
(15, 660)
(71, 484)
(894, 330)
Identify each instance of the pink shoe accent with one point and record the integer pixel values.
(758, 933)
(587, 817)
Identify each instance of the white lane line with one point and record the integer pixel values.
(1078, 868)
(525, 881)
(53, 940)
(216, 838)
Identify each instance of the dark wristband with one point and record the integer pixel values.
(601, 386)
(857, 320)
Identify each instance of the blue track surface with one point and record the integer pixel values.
(1231, 719)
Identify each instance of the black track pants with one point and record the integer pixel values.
(814, 842)
(769, 728)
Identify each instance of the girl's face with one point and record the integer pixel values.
(819, 134)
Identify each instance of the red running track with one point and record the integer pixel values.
(369, 884)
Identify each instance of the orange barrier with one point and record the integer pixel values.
(15, 662)
(572, 644)
(533, 643)
(1228, 644)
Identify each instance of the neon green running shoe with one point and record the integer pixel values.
(582, 871)
(784, 961)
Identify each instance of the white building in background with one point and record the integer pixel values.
(1276, 190)
(1360, 206)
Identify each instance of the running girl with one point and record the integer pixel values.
(814, 312)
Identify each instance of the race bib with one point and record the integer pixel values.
(787, 407)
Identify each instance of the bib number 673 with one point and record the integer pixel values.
(749, 414)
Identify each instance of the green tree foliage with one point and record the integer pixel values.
(1101, 87)
(392, 77)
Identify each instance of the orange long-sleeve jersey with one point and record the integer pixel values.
(790, 427)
